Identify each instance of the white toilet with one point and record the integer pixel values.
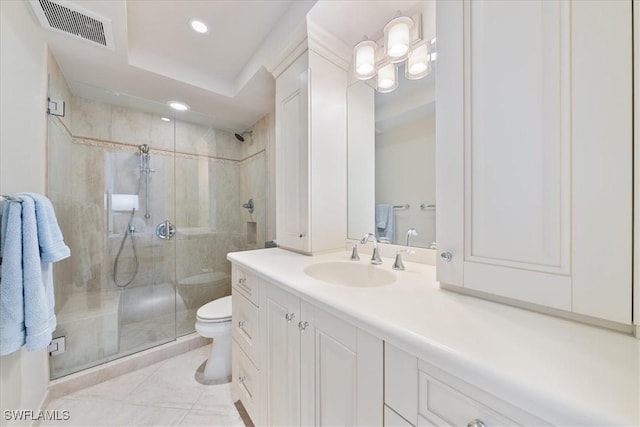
(213, 320)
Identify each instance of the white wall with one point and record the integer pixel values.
(24, 376)
(405, 174)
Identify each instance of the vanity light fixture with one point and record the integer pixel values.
(402, 43)
(198, 26)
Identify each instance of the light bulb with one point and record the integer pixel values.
(387, 78)
(397, 38)
(418, 62)
(364, 59)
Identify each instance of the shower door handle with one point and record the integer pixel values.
(165, 230)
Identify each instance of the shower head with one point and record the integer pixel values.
(240, 137)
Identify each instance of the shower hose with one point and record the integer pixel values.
(128, 233)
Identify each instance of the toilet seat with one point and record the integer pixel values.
(216, 311)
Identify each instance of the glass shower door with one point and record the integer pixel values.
(141, 243)
(112, 182)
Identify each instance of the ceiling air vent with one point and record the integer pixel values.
(66, 17)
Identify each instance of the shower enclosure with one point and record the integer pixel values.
(150, 204)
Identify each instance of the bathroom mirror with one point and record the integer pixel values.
(391, 161)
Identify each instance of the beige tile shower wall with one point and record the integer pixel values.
(256, 178)
(200, 140)
(88, 239)
(208, 207)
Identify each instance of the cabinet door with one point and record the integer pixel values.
(280, 355)
(534, 146)
(341, 372)
(292, 147)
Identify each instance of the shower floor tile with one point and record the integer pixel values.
(163, 394)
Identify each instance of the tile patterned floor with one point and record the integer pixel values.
(163, 394)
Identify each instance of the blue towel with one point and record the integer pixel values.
(52, 246)
(12, 332)
(37, 310)
(31, 241)
(385, 222)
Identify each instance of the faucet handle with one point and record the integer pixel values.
(375, 256)
(397, 264)
(354, 253)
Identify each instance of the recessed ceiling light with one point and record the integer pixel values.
(165, 119)
(198, 26)
(178, 105)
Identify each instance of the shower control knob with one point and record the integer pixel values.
(446, 256)
(165, 230)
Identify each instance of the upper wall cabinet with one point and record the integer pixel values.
(311, 163)
(534, 153)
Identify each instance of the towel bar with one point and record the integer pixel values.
(10, 198)
(406, 206)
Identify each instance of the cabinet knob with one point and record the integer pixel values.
(446, 256)
(476, 423)
(303, 325)
(290, 316)
(242, 323)
(302, 235)
(242, 379)
(242, 281)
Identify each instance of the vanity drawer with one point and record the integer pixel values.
(446, 400)
(246, 283)
(245, 381)
(245, 325)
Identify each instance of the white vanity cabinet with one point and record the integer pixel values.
(534, 153)
(316, 368)
(311, 165)
(245, 332)
(418, 393)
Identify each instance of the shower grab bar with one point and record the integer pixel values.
(405, 206)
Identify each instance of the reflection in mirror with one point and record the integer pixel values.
(391, 148)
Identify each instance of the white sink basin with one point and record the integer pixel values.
(349, 273)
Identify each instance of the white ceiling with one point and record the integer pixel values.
(157, 57)
(221, 75)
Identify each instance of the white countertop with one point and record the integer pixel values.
(562, 371)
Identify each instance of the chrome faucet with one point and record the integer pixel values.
(375, 257)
